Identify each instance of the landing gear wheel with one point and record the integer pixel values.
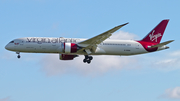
(87, 59)
(84, 60)
(90, 57)
(18, 56)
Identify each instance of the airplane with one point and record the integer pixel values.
(70, 48)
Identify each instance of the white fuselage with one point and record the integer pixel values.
(54, 45)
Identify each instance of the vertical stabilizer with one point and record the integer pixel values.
(156, 34)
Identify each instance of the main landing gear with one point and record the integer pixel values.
(18, 55)
(87, 59)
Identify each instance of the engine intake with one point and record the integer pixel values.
(70, 48)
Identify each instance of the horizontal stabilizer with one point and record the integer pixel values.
(161, 44)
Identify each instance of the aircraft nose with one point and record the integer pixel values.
(7, 47)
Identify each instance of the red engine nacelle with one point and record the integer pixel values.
(70, 47)
(66, 57)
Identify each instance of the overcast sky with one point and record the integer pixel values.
(43, 77)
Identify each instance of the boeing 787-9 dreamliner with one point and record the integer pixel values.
(69, 48)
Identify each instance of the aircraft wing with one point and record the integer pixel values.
(90, 45)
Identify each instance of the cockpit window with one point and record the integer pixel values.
(12, 42)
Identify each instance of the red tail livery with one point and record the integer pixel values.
(156, 34)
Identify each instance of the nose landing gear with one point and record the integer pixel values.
(87, 59)
(18, 55)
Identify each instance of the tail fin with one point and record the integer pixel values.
(156, 34)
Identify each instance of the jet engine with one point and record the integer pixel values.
(67, 57)
(69, 47)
